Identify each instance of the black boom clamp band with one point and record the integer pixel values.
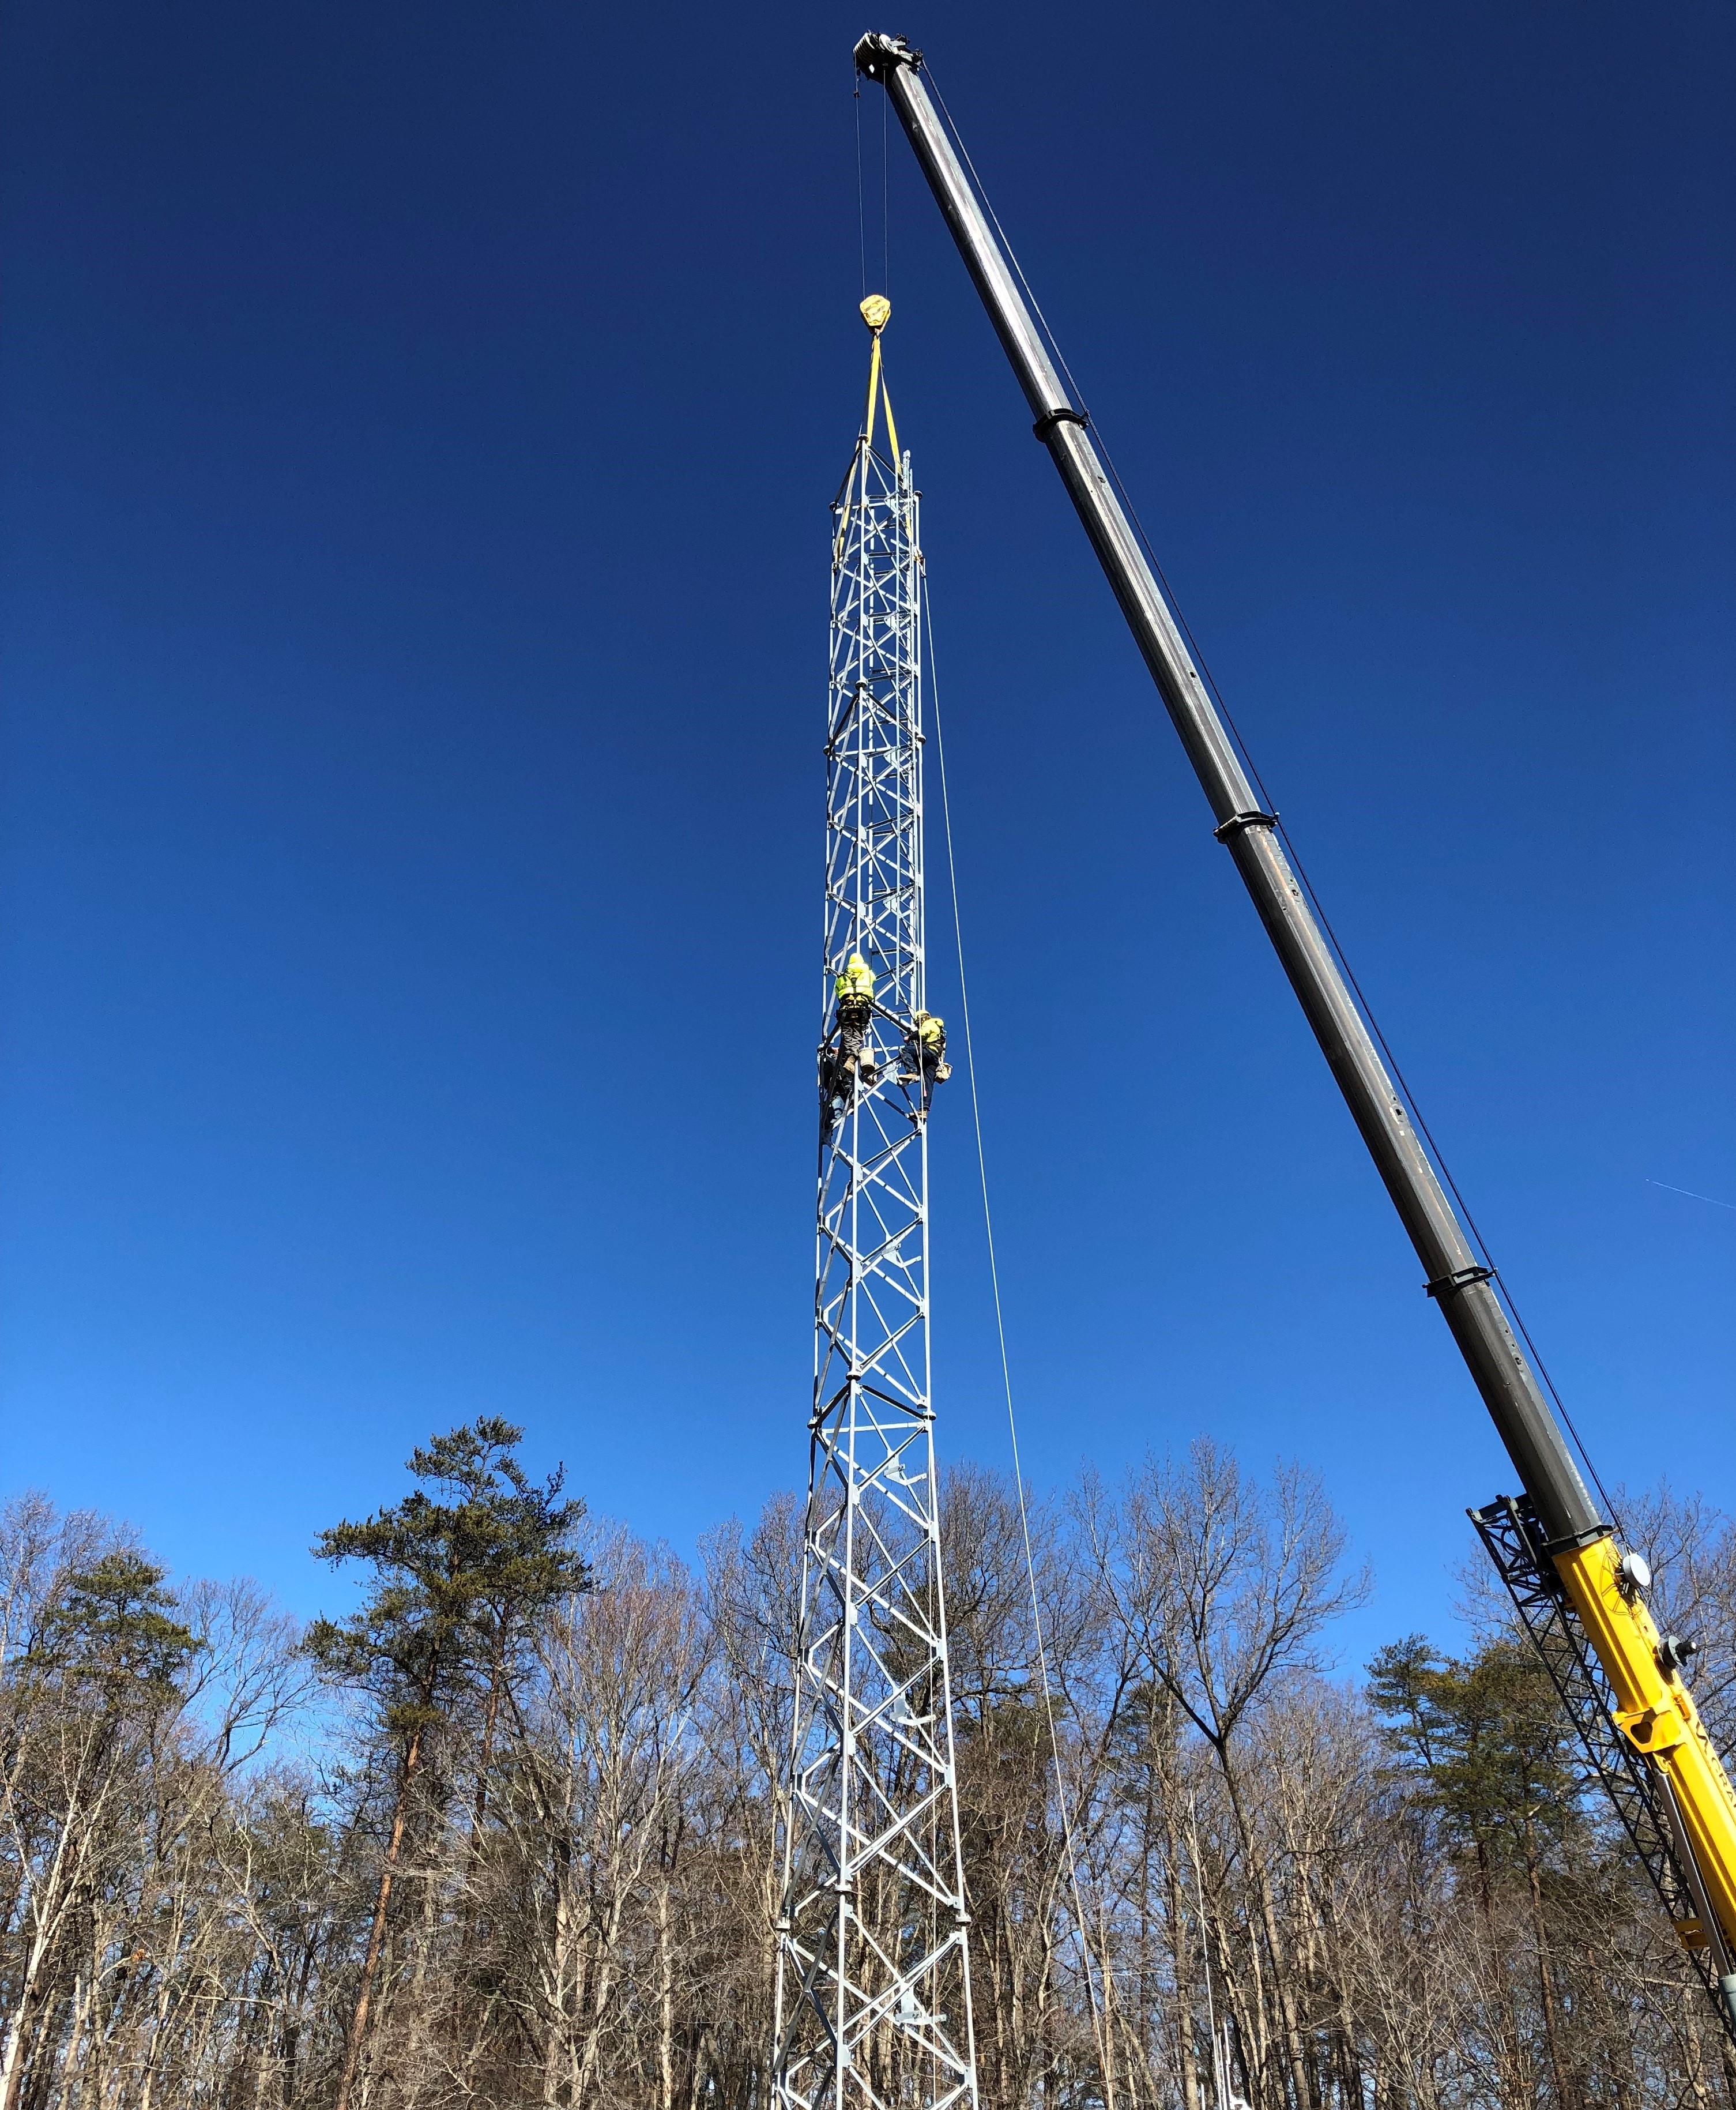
(1237, 821)
(1045, 427)
(1462, 1277)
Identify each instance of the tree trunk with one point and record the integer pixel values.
(376, 1932)
(1182, 1969)
(11, 2066)
(666, 2001)
(558, 2059)
(1545, 1990)
(1288, 2028)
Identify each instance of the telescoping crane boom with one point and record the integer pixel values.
(1581, 1593)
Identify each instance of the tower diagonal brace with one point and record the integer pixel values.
(873, 2001)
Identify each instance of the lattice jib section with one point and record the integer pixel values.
(1513, 1538)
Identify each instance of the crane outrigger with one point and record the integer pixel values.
(1581, 1593)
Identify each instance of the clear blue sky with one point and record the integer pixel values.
(419, 427)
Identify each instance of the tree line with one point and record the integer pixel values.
(505, 1835)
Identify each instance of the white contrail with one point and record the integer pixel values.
(1689, 1192)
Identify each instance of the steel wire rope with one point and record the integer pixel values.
(1418, 1118)
(861, 217)
(907, 500)
(1068, 1836)
(885, 205)
(1479, 1243)
(1006, 246)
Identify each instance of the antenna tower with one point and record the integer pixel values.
(872, 1982)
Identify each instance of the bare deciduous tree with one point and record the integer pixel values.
(1201, 1862)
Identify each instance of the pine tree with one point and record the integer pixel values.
(112, 1635)
(1486, 1738)
(457, 1584)
(104, 1665)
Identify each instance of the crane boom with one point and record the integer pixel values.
(1690, 1803)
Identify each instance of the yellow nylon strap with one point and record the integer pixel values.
(876, 311)
(876, 387)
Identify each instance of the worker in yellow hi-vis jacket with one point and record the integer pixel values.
(925, 1053)
(846, 1061)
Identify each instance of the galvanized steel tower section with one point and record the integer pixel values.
(873, 1983)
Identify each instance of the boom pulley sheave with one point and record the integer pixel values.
(1579, 1567)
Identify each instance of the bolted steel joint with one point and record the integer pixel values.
(1673, 1653)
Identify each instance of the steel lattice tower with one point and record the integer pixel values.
(873, 1983)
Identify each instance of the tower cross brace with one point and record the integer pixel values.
(873, 1996)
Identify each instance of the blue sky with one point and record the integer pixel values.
(418, 429)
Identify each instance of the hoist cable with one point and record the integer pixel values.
(1419, 1119)
(862, 213)
(1007, 247)
(1370, 1019)
(885, 205)
(1097, 2020)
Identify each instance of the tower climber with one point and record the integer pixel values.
(873, 2003)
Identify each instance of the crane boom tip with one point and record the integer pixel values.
(878, 53)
